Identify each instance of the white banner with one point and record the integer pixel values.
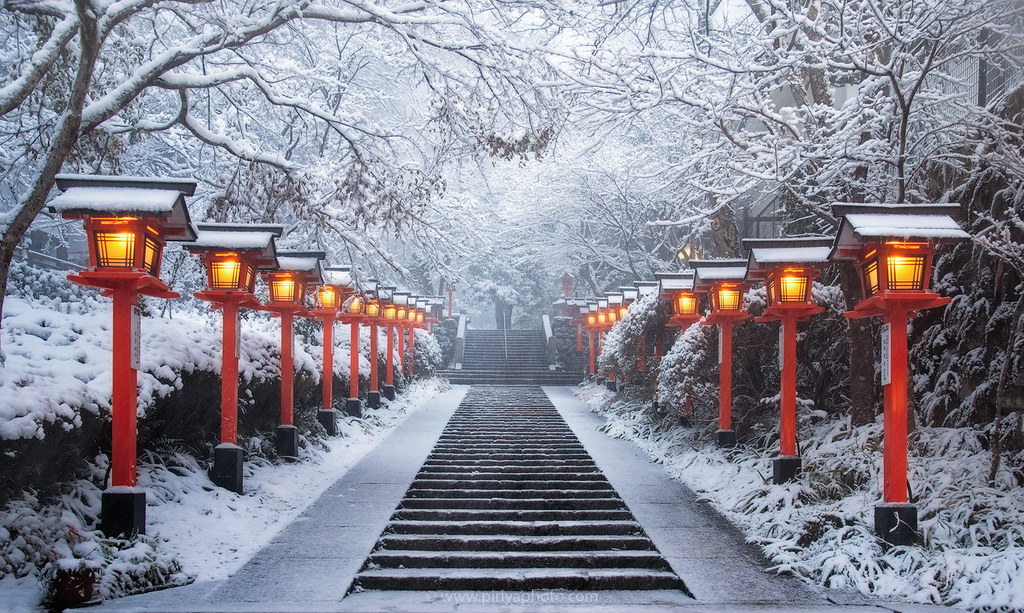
(136, 338)
(886, 354)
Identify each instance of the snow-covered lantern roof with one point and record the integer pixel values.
(893, 244)
(401, 301)
(787, 266)
(723, 280)
(386, 295)
(295, 270)
(335, 283)
(646, 288)
(677, 288)
(232, 253)
(127, 219)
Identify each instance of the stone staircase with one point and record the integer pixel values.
(507, 357)
(510, 500)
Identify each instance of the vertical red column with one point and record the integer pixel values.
(894, 442)
(401, 351)
(389, 376)
(353, 386)
(125, 392)
(412, 355)
(327, 400)
(373, 357)
(287, 372)
(787, 420)
(725, 378)
(229, 375)
(592, 371)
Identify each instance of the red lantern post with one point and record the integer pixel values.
(287, 283)
(723, 280)
(352, 314)
(893, 245)
(127, 220)
(231, 255)
(372, 314)
(788, 268)
(390, 313)
(337, 282)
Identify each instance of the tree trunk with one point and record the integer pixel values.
(862, 358)
(64, 140)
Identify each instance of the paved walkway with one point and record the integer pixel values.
(310, 565)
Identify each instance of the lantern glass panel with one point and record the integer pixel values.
(402, 313)
(283, 289)
(355, 305)
(152, 256)
(622, 312)
(870, 270)
(602, 319)
(591, 320)
(613, 316)
(685, 304)
(224, 274)
(419, 318)
(327, 297)
(390, 312)
(793, 287)
(372, 309)
(728, 298)
(115, 249)
(412, 315)
(905, 272)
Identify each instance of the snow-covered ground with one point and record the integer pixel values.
(820, 528)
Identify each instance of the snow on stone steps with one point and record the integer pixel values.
(510, 500)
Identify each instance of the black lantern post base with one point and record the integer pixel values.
(227, 467)
(896, 523)
(612, 385)
(287, 444)
(373, 399)
(353, 407)
(328, 420)
(389, 392)
(123, 512)
(726, 438)
(785, 469)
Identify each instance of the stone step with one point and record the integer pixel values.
(514, 494)
(490, 542)
(646, 560)
(508, 484)
(517, 477)
(519, 504)
(510, 515)
(516, 528)
(517, 580)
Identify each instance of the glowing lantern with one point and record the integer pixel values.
(327, 297)
(893, 245)
(354, 305)
(372, 309)
(685, 303)
(390, 312)
(723, 280)
(127, 220)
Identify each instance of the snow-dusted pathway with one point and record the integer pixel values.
(311, 563)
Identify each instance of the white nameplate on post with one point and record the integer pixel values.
(782, 346)
(238, 334)
(720, 335)
(886, 354)
(136, 340)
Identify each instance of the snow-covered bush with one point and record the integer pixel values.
(681, 388)
(628, 348)
(564, 332)
(427, 357)
(819, 528)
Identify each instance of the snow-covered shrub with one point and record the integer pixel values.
(627, 350)
(681, 387)
(690, 367)
(564, 332)
(820, 528)
(445, 332)
(427, 357)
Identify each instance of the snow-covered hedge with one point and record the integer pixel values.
(628, 348)
(820, 527)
